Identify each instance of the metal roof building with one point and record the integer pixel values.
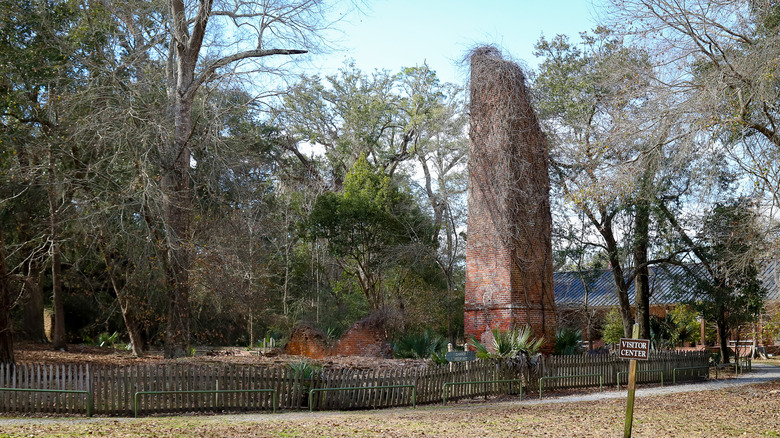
(570, 287)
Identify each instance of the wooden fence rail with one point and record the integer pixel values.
(217, 388)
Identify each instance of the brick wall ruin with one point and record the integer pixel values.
(308, 342)
(365, 338)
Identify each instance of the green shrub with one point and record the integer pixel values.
(568, 341)
(418, 345)
(440, 357)
(679, 325)
(613, 327)
(771, 328)
(686, 323)
(304, 369)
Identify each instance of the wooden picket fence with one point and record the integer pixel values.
(609, 365)
(46, 377)
(206, 388)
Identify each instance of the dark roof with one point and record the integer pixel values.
(570, 287)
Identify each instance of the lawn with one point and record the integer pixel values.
(752, 411)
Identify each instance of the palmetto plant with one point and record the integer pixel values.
(508, 344)
(304, 369)
(568, 341)
(418, 345)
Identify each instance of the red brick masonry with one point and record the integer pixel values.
(365, 338)
(509, 277)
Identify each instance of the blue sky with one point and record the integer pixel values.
(399, 33)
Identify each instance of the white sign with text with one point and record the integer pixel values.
(638, 349)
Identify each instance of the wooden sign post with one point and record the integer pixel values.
(633, 349)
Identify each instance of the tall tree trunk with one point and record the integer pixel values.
(58, 342)
(131, 323)
(176, 211)
(642, 280)
(127, 305)
(625, 305)
(177, 195)
(32, 318)
(723, 338)
(286, 285)
(6, 332)
(177, 222)
(649, 163)
(620, 281)
(187, 36)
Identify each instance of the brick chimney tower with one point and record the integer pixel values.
(509, 275)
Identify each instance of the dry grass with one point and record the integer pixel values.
(751, 411)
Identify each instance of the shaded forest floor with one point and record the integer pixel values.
(83, 354)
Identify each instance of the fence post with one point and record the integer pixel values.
(450, 348)
(90, 398)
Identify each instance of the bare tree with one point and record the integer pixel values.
(719, 60)
(592, 141)
(437, 116)
(617, 151)
(379, 115)
(197, 55)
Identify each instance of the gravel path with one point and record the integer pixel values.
(761, 373)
